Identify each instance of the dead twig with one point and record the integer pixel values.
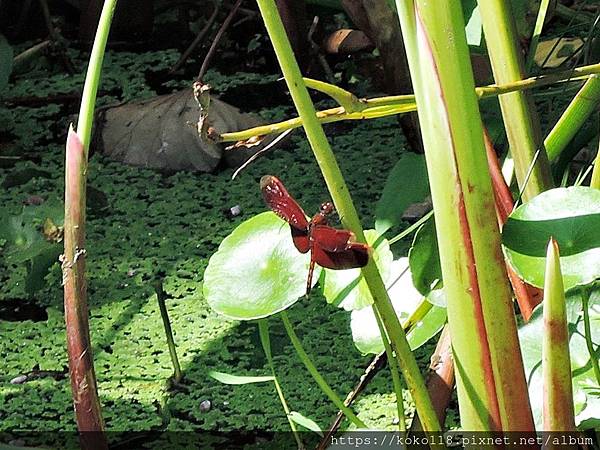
(197, 40)
(217, 39)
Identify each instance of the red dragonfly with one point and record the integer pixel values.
(328, 246)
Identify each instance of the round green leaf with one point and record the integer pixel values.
(569, 215)
(405, 299)
(347, 288)
(257, 271)
(586, 391)
(424, 259)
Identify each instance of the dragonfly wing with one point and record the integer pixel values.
(300, 238)
(335, 249)
(281, 203)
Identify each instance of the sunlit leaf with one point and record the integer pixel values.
(347, 288)
(405, 299)
(227, 378)
(406, 184)
(305, 422)
(256, 271)
(572, 217)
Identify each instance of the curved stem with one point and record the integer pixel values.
(374, 108)
(316, 375)
(344, 205)
(395, 374)
(263, 330)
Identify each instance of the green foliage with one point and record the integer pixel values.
(226, 378)
(424, 259)
(347, 288)
(257, 271)
(569, 215)
(586, 391)
(405, 299)
(172, 223)
(409, 176)
(307, 423)
(33, 238)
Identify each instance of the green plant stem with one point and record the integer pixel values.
(537, 31)
(87, 406)
(348, 215)
(394, 371)
(595, 181)
(345, 99)
(411, 228)
(492, 388)
(585, 297)
(92, 78)
(161, 296)
(316, 375)
(377, 107)
(570, 122)
(263, 329)
(520, 117)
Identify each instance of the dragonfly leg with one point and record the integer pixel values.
(311, 269)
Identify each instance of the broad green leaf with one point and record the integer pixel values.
(24, 240)
(569, 215)
(425, 329)
(406, 184)
(6, 62)
(227, 378)
(586, 390)
(474, 28)
(305, 422)
(424, 259)
(405, 299)
(346, 288)
(257, 271)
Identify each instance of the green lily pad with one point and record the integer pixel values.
(406, 184)
(424, 259)
(405, 299)
(257, 271)
(346, 288)
(586, 391)
(570, 215)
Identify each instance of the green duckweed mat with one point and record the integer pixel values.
(173, 223)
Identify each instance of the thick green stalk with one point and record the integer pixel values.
(520, 117)
(337, 401)
(558, 411)
(263, 330)
(81, 366)
(348, 215)
(492, 389)
(570, 122)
